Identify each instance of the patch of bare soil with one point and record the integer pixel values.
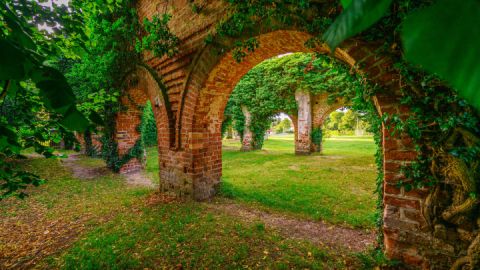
(139, 179)
(316, 232)
(158, 198)
(83, 172)
(94, 171)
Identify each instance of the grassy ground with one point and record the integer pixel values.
(60, 210)
(151, 168)
(336, 186)
(189, 237)
(102, 223)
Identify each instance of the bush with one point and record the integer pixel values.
(148, 127)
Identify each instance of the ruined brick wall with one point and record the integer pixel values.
(143, 86)
(198, 82)
(96, 141)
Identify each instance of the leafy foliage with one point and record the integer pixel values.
(269, 88)
(159, 39)
(35, 97)
(23, 52)
(95, 44)
(358, 16)
(148, 128)
(346, 122)
(441, 39)
(113, 51)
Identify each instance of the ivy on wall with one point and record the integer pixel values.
(116, 41)
(444, 127)
(148, 127)
(269, 88)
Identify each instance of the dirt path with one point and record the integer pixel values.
(139, 179)
(83, 172)
(94, 171)
(314, 231)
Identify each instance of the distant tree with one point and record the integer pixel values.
(333, 120)
(348, 121)
(287, 124)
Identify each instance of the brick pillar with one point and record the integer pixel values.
(304, 123)
(127, 134)
(321, 109)
(248, 139)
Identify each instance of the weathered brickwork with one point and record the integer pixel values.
(96, 141)
(303, 139)
(247, 140)
(191, 95)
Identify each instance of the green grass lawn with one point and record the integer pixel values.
(336, 186)
(151, 167)
(186, 236)
(103, 223)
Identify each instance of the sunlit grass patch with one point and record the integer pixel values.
(337, 186)
(152, 167)
(188, 236)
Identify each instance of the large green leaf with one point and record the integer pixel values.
(358, 16)
(346, 3)
(11, 62)
(18, 33)
(55, 91)
(445, 39)
(74, 120)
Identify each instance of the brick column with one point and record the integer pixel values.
(321, 109)
(127, 134)
(304, 123)
(248, 139)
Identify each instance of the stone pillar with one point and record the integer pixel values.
(304, 123)
(248, 140)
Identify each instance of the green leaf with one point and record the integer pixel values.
(358, 16)
(96, 118)
(346, 3)
(11, 62)
(18, 33)
(74, 120)
(55, 91)
(445, 39)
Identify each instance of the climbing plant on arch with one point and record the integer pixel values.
(417, 109)
(269, 88)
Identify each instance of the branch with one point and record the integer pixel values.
(5, 88)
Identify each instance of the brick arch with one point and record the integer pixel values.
(142, 86)
(213, 80)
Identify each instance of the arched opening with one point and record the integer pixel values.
(209, 87)
(285, 169)
(142, 125)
